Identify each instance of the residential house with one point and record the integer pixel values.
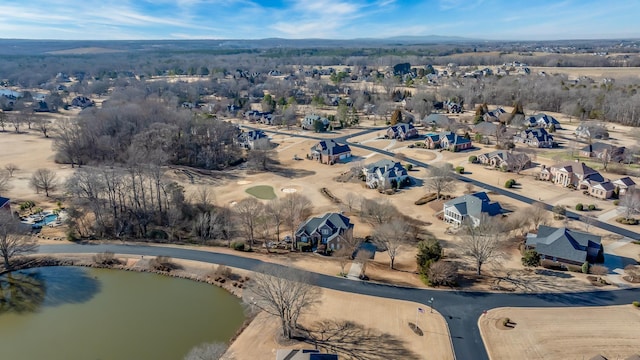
(43, 106)
(329, 152)
(537, 137)
(471, 207)
(602, 190)
(248, 139)
(303, 354)
(259, 116)
(563, 245)
(82, 102)
(572, 173)
(493, 115)
(447, 140)
(323, 233)
(624, 184)
(590, 130)
(384, 174)
(5, 204)
(543, 121)
(309, 121)
(600, 149)
(439, 121)
(505, 160)
(402, 132)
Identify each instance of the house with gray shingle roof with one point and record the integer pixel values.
(600, 149)
(505, 160)
(567, 246)
(384, 174)
(248, 139)
(447, 140)
(542, 120)
(537, 137)
(402, 131)
(323, 233)
(309, 121)
(624, 184)
(330, 152)
(570, 173)
(471, 208)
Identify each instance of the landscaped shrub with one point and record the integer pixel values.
(506, 322)
(548, 264)
(616, 202)
(239, 246)
(591, 207)
(636, 303)
(425, 199)
(574, 268)
(599, 270)
(509, 184)
(623, 220)
(459, 169)
(579, 206)
(473, 159)
(531, 258)
(408, 167)
(559, 209)
(585, 268)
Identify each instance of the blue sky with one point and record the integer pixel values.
(331, 19)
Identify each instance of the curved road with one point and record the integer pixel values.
(460, 309)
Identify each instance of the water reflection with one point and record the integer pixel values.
(20, 292)
(29, 290)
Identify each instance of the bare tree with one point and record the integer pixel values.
(442, 273)
(16, 121)
(276, 212)
(211, 351)
(631, 203)
(587, 220)
(377, 212)
(440, 178)
(4, 181)
(284, 293)
(11, 168)
(390, 236)
(43, 126)
(296, 208)
(605, 158)
(13, 239)
(248, 211)
(261, 155)
(482, 243)
(537, 214)
(44, 180)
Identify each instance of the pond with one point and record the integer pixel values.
(82, 313)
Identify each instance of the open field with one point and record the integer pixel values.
(560, 333)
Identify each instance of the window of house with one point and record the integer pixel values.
(325, 231)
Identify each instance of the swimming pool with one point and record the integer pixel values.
(48, 219)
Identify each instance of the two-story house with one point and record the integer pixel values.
(384, 174)
(329, 152)
(471, 207)
(324, 233)
(537, 137)
(402, 132)
(447, 140)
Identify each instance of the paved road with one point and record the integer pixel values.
(460, 309)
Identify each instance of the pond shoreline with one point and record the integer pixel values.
(185, 271)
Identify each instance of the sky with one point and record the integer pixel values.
(328, 19)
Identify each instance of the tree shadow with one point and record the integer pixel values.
(21, 293)
(354, 341)
(66, 285)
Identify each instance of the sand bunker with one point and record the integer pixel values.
(244, 182)
(288, 190)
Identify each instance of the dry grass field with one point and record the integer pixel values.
(563, 334)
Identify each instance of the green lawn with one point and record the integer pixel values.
(264, 192)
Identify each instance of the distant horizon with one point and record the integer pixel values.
(488, 20)
(440, 38)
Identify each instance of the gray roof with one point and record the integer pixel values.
(623, 181)
(582, 169)
(330, 147)
(334, 220)
(252, 135)
(485, 128)
(389, 169)
(563, 243)
(475, 205)
(599, 147)
(437, 119)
